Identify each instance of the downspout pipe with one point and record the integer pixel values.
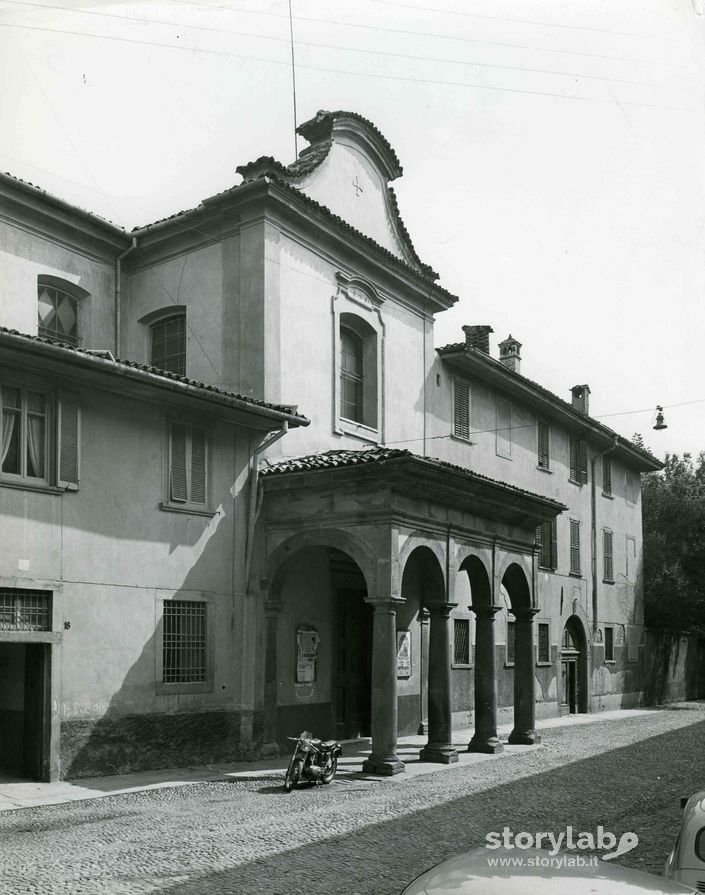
(593, 528)
(254, 497)
(118, 291)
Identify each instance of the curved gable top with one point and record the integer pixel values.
(347, 168)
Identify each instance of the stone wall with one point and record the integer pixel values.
(674, 666)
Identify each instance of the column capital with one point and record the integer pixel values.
(442, 610)
(385, 604)
(525, 614)
(424, 615)
(486, 611)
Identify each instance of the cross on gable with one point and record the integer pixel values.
(358, 187)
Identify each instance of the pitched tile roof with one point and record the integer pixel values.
(336, 459)
(105, 357)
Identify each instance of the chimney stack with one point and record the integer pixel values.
(509, 354)
(478, 337)
(581, 398)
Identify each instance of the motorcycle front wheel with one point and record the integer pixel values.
(293, 775)
(330, 773)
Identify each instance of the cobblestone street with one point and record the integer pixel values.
(361, 837)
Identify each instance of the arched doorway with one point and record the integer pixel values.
(520, 636)
(573, 680)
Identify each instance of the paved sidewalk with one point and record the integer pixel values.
(16, 793)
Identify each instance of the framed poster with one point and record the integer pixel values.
(403, 653)
(307, 641)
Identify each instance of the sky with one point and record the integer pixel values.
(553, 154)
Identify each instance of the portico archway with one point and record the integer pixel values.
(520, 647)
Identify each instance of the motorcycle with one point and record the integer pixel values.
(313, 760)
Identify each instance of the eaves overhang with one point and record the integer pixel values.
(471, 362)
(414, 476)
(128, 378)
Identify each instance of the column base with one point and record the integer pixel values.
(485, 745)
(270, 750)
(422, 728)
(441, 754)
(383, 767)
(524, 738)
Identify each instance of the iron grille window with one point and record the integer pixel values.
(578, 460)
(511, 642)
(58, 315)
(461, 641)
(609, 644)
(544, 642)
(544, 454)
(184, 642)
(547, 542)
(25, 610)
(461, 409)
(574, 547)
(169, 344)
(608, 572)
(607, 475)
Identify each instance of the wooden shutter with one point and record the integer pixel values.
(544, 458)
(582, 448)
(607, 475)
(554, 544)
(68, 441)
(198, 466)
(539, 542)
(178, 489)
(607, 555)
(574, 458)
(461, 409)
(574, 547)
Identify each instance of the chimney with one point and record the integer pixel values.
(478, 337)
(509, 353)
(581, 398)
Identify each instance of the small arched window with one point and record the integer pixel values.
(58, 309)
(168, 350)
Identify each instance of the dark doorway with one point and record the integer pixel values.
(573, 669)
(353, 666)
(23, 709)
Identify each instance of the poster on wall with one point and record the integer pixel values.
(403, 653)
(307, 641)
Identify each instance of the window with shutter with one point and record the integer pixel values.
(504, 428)
(547, 542)
(578, 460)
(608, 571)
(574, 547)
(544, 456)
(607, 476)
(461, 409)
(68, 442)
(187, 465)
(544, 646)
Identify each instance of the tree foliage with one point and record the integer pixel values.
(673, 503)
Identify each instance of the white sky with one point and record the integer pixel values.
(554, 154)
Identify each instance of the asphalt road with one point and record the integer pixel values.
(358, 837)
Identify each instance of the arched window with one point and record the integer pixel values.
(168, 349)
(58, 309)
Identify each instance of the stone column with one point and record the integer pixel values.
(271, 678)
(485, 737)
(384, 759)
(440, 738)
(423, 621)
(524, 732)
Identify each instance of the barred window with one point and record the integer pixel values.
(608, 571)
(578, 460)
(609, 644)
(574, 547)
(184, 642)
(511, 642)
(547, 542)
(25, 610)
(544, 654)
(607, 476)
(461, 641)
(461, 409)
(544, 453)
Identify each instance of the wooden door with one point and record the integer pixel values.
(353, 665)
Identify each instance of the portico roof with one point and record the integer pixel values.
(425, 477)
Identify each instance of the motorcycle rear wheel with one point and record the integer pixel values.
(293, 775)
(330, 773)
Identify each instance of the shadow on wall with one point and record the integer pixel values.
(674, 667)
(144, 728)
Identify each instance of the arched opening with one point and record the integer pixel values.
(318, 662)
(520, 654)
(573, 680)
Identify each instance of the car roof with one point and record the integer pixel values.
(472, 874)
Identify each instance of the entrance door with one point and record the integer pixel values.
(353, 674)
(573, 660)
(23, 709)
(569, 690)
(34, 715)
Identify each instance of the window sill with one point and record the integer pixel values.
(544, 664)
(461, 665)
(509, 664)
(547, 569)
(545, 469)
(576, 482)
(358, 430)
(608, 580)
(610, 661)
(39, 488)
(178, 689)
(186, 509)
(576, 574)
(460, 438)
(608, 496)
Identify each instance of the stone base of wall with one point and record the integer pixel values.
(121, 744)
